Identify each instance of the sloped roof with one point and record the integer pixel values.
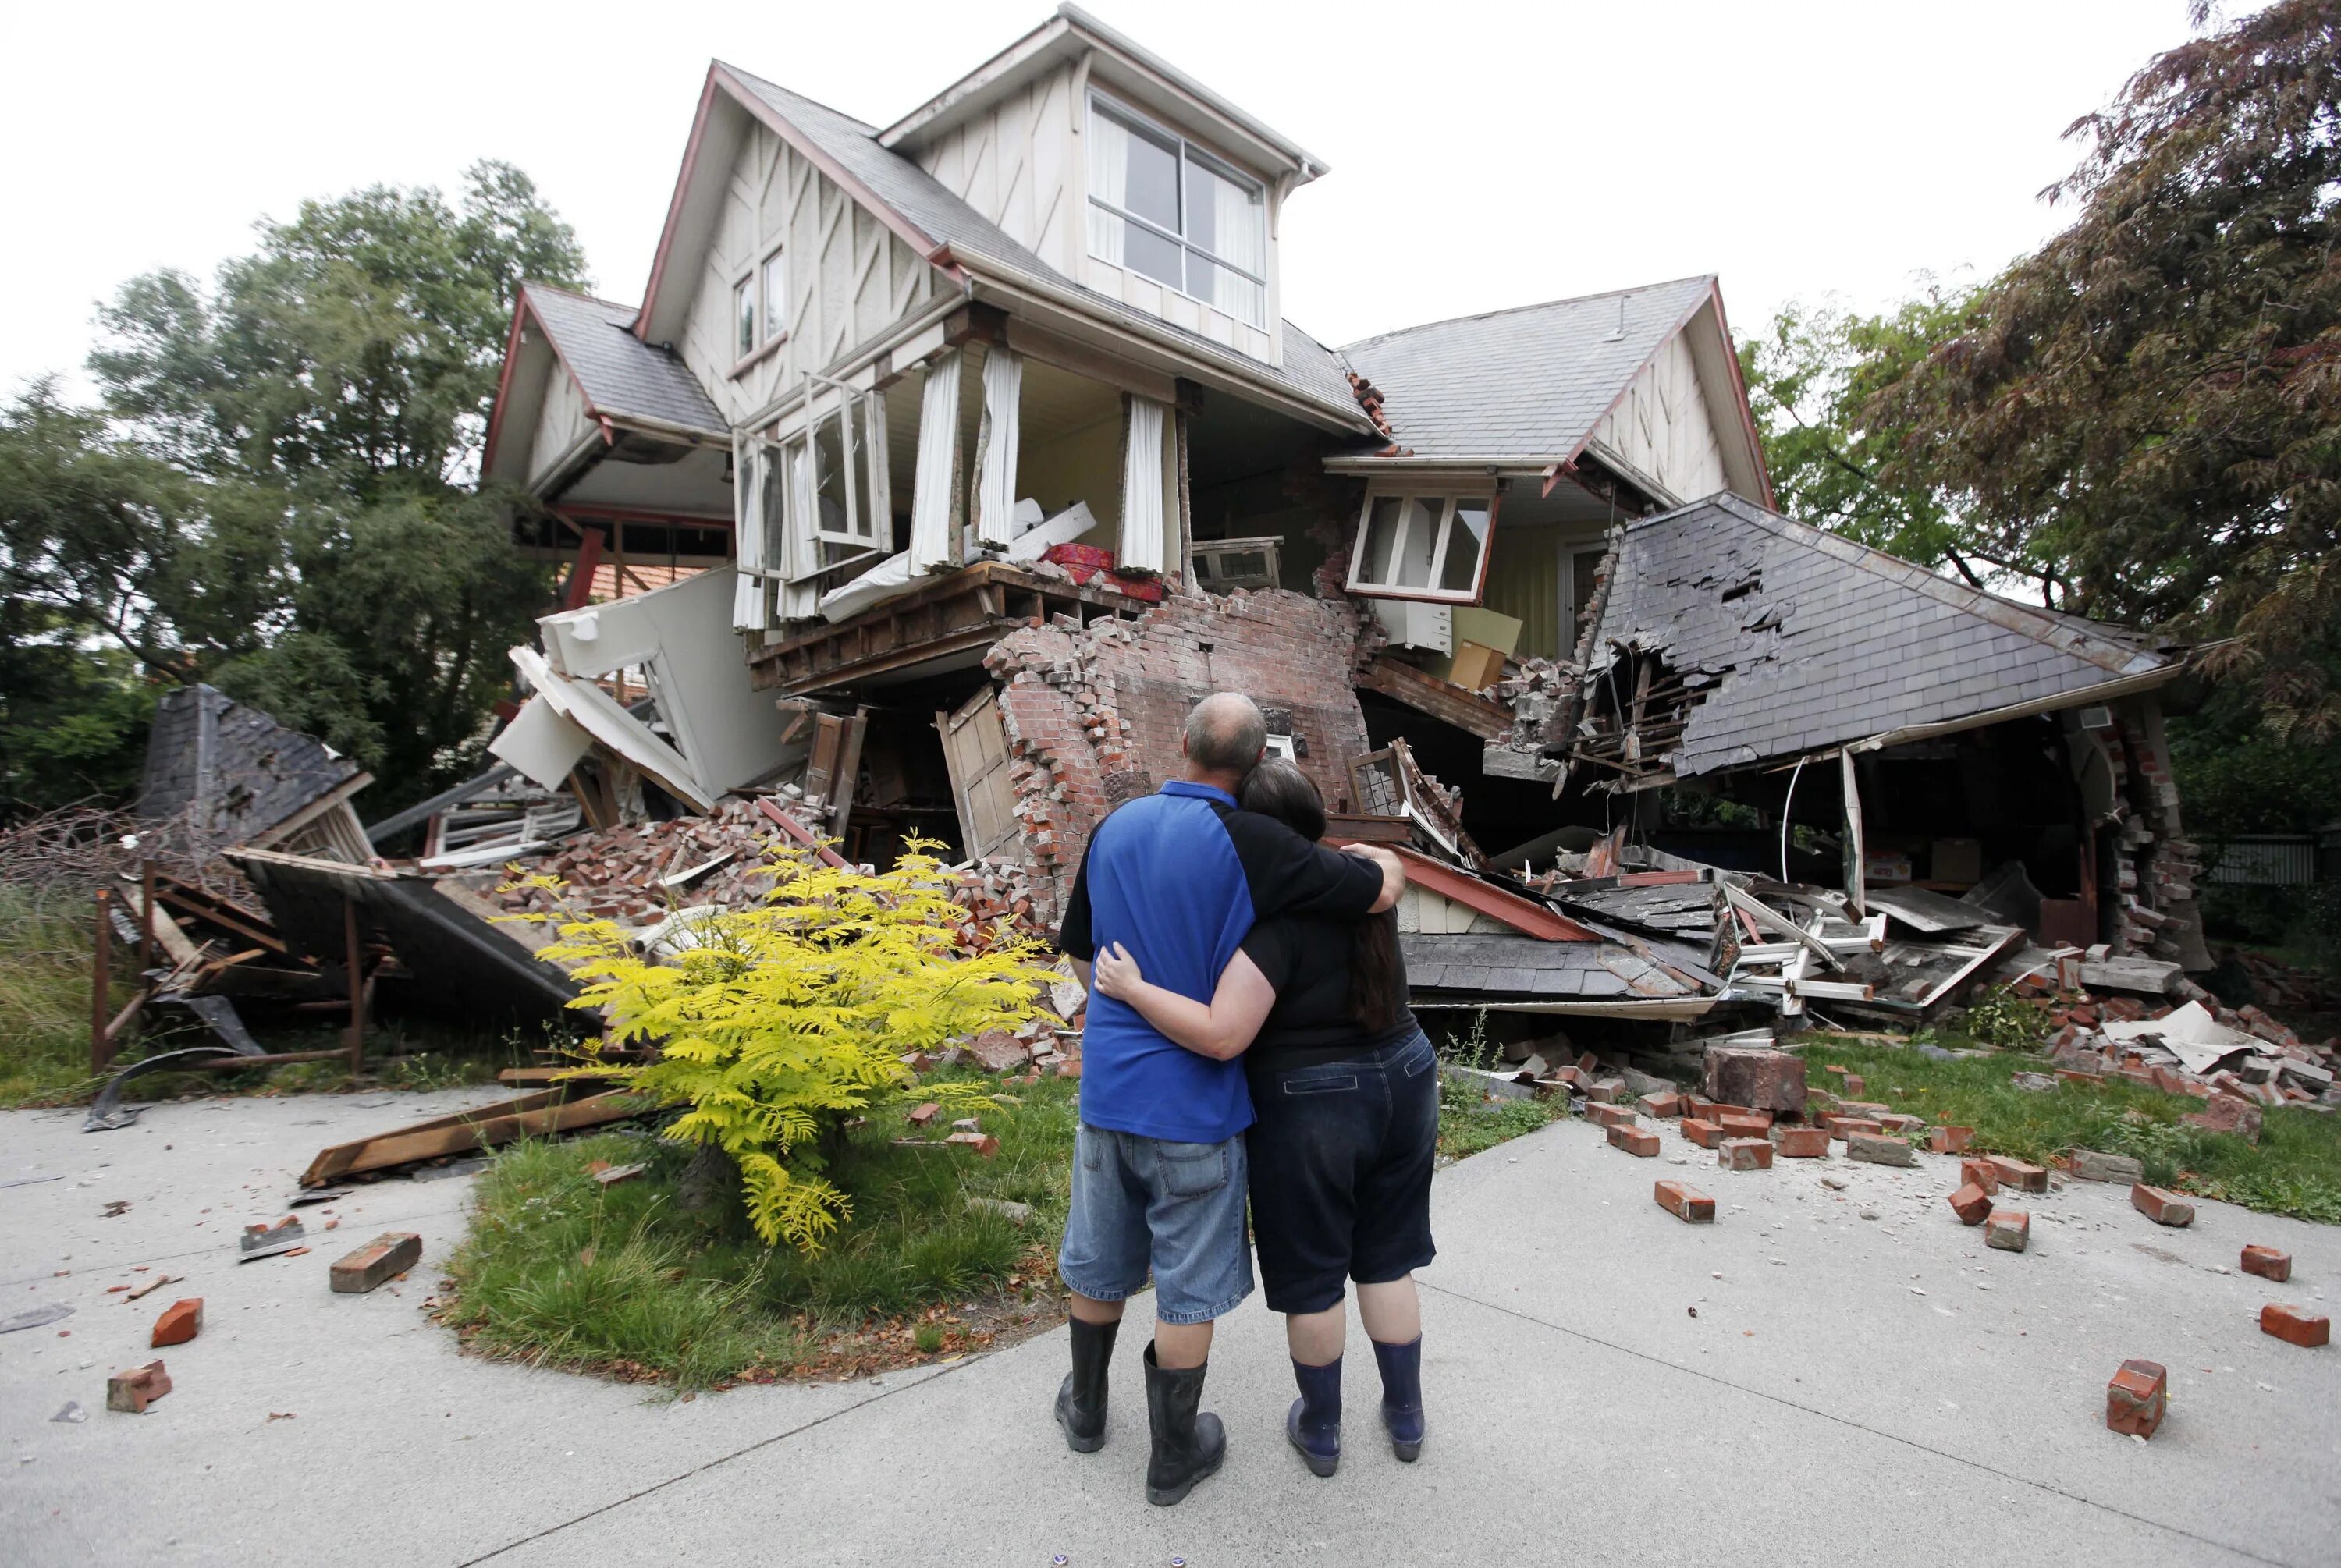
(620, 374)
(1808, 639)
(233, 769)
(1532, 382)
(919, 201)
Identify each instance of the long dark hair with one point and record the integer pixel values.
(1279, 789)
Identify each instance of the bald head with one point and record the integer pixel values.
(1225, 735)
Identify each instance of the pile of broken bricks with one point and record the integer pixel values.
(386, 1257)
(1754, 1106)
(2238, 1059)
(639, 874)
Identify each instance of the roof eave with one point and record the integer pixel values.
(1065, 35)
(992, 275)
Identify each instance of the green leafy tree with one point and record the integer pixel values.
(1813, 378)
(2153, 399)
(786, 1017)
(277, 495)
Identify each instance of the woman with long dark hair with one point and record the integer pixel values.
(1345, 1090)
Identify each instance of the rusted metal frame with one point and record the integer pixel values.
(101, 986)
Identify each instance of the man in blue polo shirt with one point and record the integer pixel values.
(1177, 878)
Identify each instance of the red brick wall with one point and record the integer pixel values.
(1096, 716)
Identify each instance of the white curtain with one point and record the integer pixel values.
(748, 469)
(1144, 544)
(1240, 230)
(995, 487)
(930, 491)
(1109, 182)
(802, 554)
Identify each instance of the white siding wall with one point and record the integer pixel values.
(1015, 165)
(560, 420)
(1662, 429)
(849, 278)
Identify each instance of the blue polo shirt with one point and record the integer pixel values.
(1178, 878)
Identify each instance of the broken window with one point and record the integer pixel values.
(1166, 210)
(1223, 565)
(1422, 546)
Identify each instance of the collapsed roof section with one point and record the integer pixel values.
(1730, 635)
(241, 778)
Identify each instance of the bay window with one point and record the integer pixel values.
(1429, 544)
(1166, 210)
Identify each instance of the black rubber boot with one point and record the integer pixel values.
(1081, 1400)
(1401, 1367)
(1189, 1444)
(1314, 1422)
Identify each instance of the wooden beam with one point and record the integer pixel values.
(355, 960)
(1443, 700)
(528, 1117)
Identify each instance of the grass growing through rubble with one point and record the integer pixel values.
(2293, 1169)
(561, 1271)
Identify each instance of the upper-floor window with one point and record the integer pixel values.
(1422, 545)
(743, 317)
(1165, 209)
(774, 278)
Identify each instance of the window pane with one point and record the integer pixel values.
(1132, 169)
(858, 453)
(1139, 248)
(829, 475)
(1217, 286)
(1466, 540)
(1226, 217)
(776, 295)
(743, 313)
(1381, 540)
(1412, 567)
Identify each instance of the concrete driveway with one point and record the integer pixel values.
(1851, 1390)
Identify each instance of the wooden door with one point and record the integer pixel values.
(975, 751)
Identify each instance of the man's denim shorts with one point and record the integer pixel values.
(1180, 1207)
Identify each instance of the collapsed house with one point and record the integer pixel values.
(972, 450)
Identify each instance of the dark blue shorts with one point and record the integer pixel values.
(1341, 1156)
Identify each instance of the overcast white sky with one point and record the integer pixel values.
(1484, 155)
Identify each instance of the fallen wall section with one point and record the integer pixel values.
(1095, 716)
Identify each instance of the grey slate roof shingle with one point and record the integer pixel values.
(1309, 369)
(1506, 964)
(620, 373)
(231, 767)
(1826, 640)
(1526, 382)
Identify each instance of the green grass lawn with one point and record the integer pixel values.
(561, 1271)
(1470, 1123)
(2293, 1169)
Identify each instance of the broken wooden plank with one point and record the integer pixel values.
(1401, 682)
(529, 1115)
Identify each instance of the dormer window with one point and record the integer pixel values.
(1166, 210)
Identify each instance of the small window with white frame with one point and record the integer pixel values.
(1166, 209)
(743, 317)
(1426, 542)
(772, 279)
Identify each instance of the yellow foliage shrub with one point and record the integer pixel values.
(782, 1019)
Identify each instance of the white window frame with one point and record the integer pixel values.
(743, 292)
(1217, 165)
(773, 317)
(1449, 491)
(800, 550)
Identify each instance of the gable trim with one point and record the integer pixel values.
(720, 76)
